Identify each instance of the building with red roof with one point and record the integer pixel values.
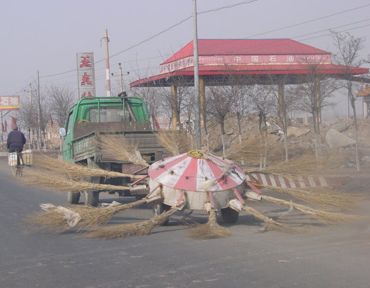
(254, 61)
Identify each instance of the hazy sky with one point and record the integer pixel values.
(45, 35)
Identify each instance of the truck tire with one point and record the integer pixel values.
(158, 209)
(73, 197)
(229, 216)
(92, 198)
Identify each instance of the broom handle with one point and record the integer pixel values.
(260, 216)
(299, 207)
(130, 205)
(141, 169)
(139, 180)
(157, 220)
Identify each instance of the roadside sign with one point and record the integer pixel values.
(9, 103)
(86, 74)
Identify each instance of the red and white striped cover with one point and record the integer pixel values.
(207, 174)
(272, 180)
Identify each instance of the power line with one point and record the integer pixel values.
(311, 20)
(158, 34)
(226, 7)
(328, 34)
(326, 29)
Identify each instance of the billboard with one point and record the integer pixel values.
(9, 103)
(86, 74)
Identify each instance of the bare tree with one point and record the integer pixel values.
(314, 95)
(180, 102)
(60, 100)
(29, 116)
(348, 54)
(220, 101)
(262, 101)
(28, 119)
(282, 108)
(154, 99)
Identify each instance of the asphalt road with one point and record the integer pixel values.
(323, 257)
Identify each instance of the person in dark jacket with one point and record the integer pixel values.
(16, 140)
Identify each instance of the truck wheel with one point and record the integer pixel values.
(92, 198)
(229, 216)
(158, 209)
(73, 197)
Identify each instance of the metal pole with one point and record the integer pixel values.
(198, 135)
(108, 87)
(2, 127)
(121, 72)
(38, 111)
(78, 76)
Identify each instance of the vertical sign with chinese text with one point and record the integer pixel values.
(86, 74)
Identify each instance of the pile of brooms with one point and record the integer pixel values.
(68, 177)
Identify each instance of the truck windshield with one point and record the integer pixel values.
(106, 115)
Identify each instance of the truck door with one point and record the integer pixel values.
(67, 141)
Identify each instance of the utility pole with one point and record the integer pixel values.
(121, 75)
(108, 87)
(198, 136)
(2, 127)
(38, 112)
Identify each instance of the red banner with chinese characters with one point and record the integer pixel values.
(246, 60)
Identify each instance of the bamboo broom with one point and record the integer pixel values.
(122, 150)
(210, 230)
(174, 142)
(54, 220)
(47, 180)
(126, 230)
(269, 222)
(328, 217)
(325, 199)
(98, 216)
(75, 170)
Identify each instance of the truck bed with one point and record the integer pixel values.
(87, 146)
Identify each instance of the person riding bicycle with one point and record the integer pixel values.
(15, 143)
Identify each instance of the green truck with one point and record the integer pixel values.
(92, 118)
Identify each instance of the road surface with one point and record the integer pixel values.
(323, 257)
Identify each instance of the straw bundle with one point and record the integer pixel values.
(329, 217)
(269, 222)
(126, 230)
(98, 216)
(324, 198)
(75, 170)
(252, 149)
(54, 220)
(121, 149)
(48, 220)
(40, 178)
(175, 142)
(305, 164)
(210, 230)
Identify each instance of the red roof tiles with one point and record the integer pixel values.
(208, 47)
